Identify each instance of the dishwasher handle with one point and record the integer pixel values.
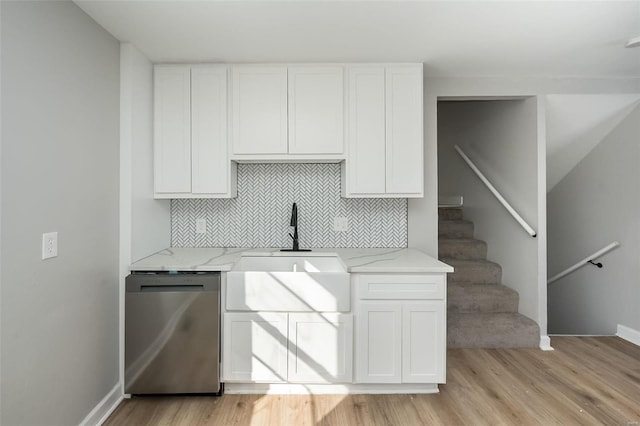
(170, 288)
(163, 283)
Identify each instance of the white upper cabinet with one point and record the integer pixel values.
(285, 113)
(259, 110)
(209, 117)
(191, 158)
(404, 130)
(209, 156)
(172, 129)
(384, 131)
(316, 110)
(366, 130)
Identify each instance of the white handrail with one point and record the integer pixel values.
(495, 192)
(583, 262)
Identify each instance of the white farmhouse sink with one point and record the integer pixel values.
(311, 264)
(288, 283)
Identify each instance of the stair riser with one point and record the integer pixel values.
(487, 274)
(450, 213)
(468, 250)
(455, 229)
(460, 303)
(491, 331)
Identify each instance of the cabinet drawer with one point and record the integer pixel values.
(410, 286)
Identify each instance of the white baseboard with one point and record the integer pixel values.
(545, 343)
(100, 412)
(320, 389)
(628, 334)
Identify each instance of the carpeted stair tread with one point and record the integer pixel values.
(474, 271)
(466, 297)
(455, 229)
(450, 213)
(462, 248)
(491, 330)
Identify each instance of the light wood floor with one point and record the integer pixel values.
(586, 380)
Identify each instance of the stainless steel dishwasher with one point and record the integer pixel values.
(172, 333)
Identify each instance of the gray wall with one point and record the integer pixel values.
(60, 102)
(596, 203)
(501, 138)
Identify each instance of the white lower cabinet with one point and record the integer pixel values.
(276, 347)
(255, 347)
(320, 348)
(400, 333)
(423, 342)
(379, 345)
(399, 338)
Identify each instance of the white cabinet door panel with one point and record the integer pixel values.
(316, 110)
(320, 348)
(172, 129)
(404, 129)
(379, 343)
(423, 354)
(209, 156)
(259, 110)
(366, 130)
(255, 347)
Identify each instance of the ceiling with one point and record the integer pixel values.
(454, 38)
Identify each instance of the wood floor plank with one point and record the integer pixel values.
(585, 381)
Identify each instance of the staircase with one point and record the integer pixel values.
(481, 312)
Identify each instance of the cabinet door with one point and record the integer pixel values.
(423, 342)
(172, 129)
(404, 130)
(259, 110)
(255, 347)
(209, 152)
(366, 130)
(379, 342)
(320, 348)
(316, 110)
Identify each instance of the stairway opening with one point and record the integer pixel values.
(493, 296)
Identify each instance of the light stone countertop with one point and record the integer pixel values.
(357, 260)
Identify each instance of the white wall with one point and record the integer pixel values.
(596, 203)
(148, 220)
(59, 173)
(501, 139)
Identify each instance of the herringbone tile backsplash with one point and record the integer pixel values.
(259, 216)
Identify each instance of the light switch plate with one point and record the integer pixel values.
(49, 245)
(340, 224)
(201, 226)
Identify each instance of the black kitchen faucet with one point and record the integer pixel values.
(294, 223)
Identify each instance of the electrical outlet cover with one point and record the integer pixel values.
(340, 224)
(49, 245)
(201, 226)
